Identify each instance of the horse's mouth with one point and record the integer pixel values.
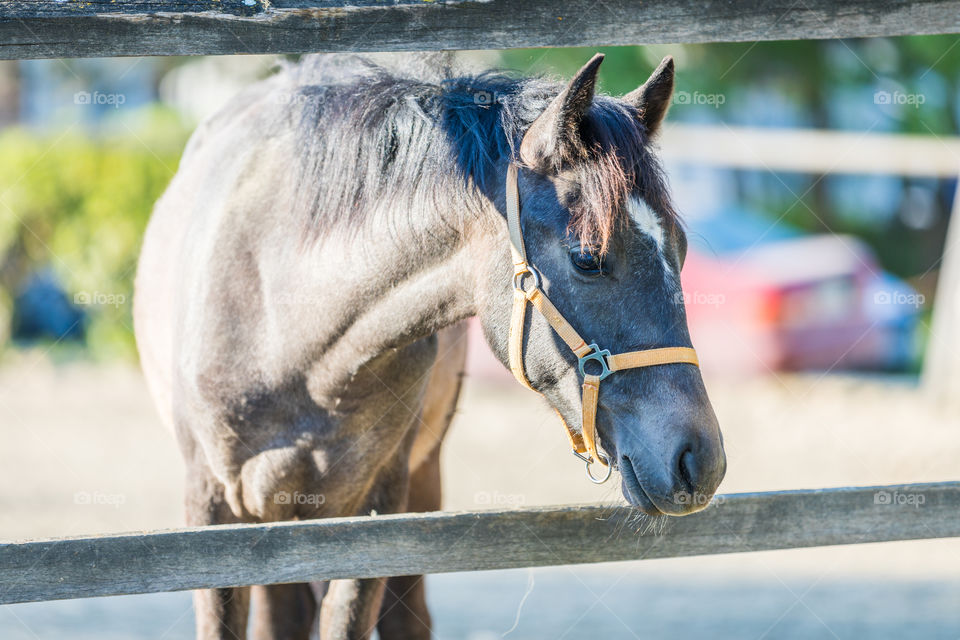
(633, 490)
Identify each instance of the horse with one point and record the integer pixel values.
(304, 282)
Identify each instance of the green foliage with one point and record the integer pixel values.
(808, 74)
(78, 205)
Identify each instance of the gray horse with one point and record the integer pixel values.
(304, 281)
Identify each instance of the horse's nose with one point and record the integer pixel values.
(700, 466)
(688, 468)
(681, 482)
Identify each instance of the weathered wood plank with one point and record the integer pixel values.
(444, 542)
(813, 151)
(89, 28)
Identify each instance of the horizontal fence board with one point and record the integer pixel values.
(812, 150)
(233, 555)
(91, 28)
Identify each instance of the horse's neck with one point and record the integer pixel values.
(357, 302)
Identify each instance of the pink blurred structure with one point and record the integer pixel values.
(812, 302)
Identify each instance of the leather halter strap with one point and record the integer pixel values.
(584, 442)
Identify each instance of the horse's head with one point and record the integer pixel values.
(599, 227)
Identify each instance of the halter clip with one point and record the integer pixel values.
(598, 355)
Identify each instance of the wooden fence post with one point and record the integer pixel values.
(941, 367)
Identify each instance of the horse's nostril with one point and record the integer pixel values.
(687, 466)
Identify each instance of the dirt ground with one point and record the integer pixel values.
(83, 452)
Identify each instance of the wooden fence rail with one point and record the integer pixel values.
(93, 28)
(234, 555)
(811, 150)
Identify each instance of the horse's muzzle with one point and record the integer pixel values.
(682, 484)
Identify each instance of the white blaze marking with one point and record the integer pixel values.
(648, 222)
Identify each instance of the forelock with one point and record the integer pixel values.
(617, 163)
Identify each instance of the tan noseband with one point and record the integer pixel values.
(584, 443)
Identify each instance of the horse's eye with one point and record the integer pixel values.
(586, 262)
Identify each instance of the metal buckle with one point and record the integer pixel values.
(518, 278)
(589, 460)
(598, 354)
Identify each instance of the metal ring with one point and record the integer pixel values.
(518, 278)
(606, 463)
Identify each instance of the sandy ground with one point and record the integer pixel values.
(84, 453)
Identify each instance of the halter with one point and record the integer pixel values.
(584, 443)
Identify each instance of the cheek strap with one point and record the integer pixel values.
(584, 442)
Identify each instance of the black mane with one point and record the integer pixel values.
(435, 138)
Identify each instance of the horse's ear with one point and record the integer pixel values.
(652, 99)
(555, 135)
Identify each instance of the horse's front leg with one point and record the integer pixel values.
(283, 611)
(221, 614)
(350, 608)
(404, 614)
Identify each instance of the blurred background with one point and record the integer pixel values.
(816, 180)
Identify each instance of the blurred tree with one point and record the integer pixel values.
(77, 205)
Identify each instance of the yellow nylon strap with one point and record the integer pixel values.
(513, 221)
(558, 322)
(576, 441)
(519, 253)
(518, 317)
(535, 295)
(591, 392)
(516, 337)
(652, 357)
